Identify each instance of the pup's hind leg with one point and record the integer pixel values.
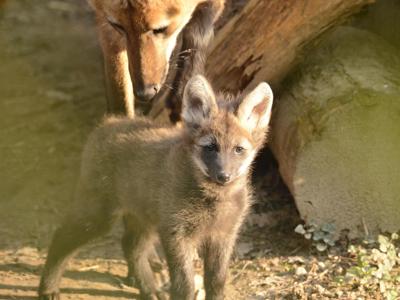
(137, 243)
(75, 232)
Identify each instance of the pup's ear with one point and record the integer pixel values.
(255, 110)
(198, 102)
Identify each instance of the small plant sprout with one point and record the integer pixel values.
(377, 267)
(321, 236)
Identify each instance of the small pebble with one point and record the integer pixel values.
(300, 271)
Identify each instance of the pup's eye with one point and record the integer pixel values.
(117, 27)
(161, 30)
(239, 150)
(211, 147)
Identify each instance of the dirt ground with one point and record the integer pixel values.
(51, 96)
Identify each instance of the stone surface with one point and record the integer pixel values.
(336, 133)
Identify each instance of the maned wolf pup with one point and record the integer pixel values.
(193, 190)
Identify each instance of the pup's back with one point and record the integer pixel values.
(125, 163)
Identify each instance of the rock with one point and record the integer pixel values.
(300, 271)
(243, 248)
(336, 132)
(300, 229)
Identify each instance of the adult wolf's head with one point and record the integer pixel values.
(225, 132)
(150, 29)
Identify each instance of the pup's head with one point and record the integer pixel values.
(150, 29)
(225, 132)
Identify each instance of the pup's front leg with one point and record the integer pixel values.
(179, 252)
(217, 253)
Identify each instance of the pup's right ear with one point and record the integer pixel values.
(255, 110)
(199, 102)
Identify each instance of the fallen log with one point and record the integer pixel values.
(267, 39)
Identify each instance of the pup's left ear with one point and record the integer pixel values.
(255, 110)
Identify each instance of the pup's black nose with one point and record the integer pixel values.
(223, 178)
(147, 92)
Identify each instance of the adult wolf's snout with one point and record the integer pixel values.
(147, 92)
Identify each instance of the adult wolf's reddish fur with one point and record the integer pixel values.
(193, 190)
(138, 38)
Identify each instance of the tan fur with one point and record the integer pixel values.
(187, 207)
(133, 54)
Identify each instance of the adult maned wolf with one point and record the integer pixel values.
(192, 193)
(138, 38)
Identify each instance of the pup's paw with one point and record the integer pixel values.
(50, 296)
(130, 281)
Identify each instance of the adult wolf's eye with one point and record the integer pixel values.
(117, 27)
(161, 30)
(239, 150)
(210, 147)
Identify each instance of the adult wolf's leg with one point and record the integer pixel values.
(120, 98)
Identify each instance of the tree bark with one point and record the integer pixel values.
(264, 41)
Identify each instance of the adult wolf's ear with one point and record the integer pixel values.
(255, 110)
(199, 102)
